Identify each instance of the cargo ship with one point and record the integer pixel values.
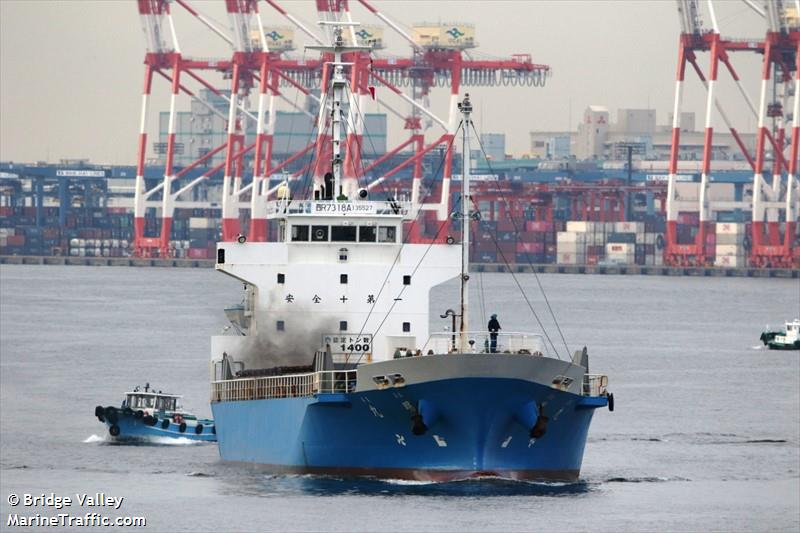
(330, 367)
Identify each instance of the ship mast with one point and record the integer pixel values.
(466, 108)
(339, 86)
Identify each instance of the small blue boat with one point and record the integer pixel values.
(147, 413)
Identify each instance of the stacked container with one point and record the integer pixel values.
(730, 245)
(571, 246)
(202, 238)
(582, 243)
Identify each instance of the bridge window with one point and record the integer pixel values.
(300, 233)
(343, 233)
(387, 234)
(319, 233)
(367, 234)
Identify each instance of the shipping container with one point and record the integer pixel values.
(729, 228)
(570, 236)
(620, 248)
(732, 261)
(202, 223)
(585, 227)
(506, 225)
(629, 238)
(620, 259)
(529, 258)
(538, 225)
(629, 227)
(530, 247)
(728, 249)
(198, 253)
(730, 238)
(570, 258)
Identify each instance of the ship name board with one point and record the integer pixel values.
(343, 208)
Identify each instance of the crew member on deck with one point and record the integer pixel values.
(494, 327)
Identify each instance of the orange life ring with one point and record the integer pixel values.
(177, 418)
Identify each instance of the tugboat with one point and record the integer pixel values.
(788, 339)
(149, 413)
(329, 366)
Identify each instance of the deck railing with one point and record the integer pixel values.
(291, 386)
(595, 385)
(516, 343)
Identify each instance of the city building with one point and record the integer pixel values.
(599, 138)
(200, 130)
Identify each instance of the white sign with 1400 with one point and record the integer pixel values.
(343, 344)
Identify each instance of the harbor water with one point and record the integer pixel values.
(705, 434)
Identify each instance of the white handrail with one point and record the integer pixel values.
(507, 342)
(288, 386)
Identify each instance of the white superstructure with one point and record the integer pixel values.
(338, 270)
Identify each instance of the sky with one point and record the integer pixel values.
(71, 71)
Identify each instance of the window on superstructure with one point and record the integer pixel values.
(319, 233)
(281, 278)
(343, 325)
(342, 255)
(406, 327)
(343, 279)
(387, 234)
(280, 325)
(343, 233)
(406, 280)
(367, 234)
(299, 233)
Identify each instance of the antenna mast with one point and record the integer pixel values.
(339, 86)
(466, 109)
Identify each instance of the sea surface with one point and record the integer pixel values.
(705, 435)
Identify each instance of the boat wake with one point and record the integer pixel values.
(692, 438)
(488, 486)
(644, 479)
(144, 441)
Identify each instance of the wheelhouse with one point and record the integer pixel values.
(152, 400)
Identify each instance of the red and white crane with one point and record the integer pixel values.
(695, 38)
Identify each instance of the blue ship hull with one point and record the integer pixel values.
(474, 427)
(128, 427)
